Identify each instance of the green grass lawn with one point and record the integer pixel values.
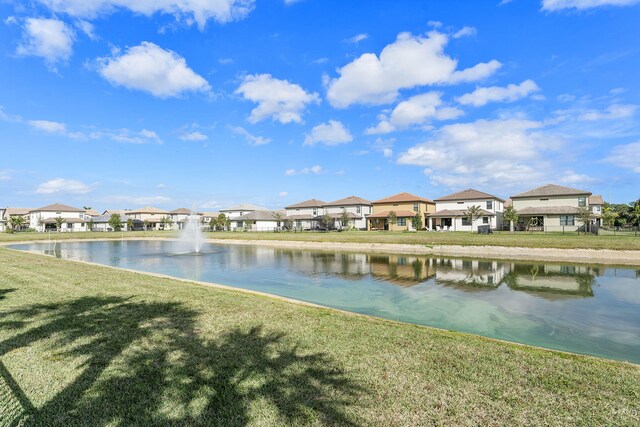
(89, 345)
(551, 240)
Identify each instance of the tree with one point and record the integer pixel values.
(147, 224)
(609, 216)
(288, 223)
(86, 208)
(416, 221)
(223, 222)
(279, 218)
(635, 212)
(344, 218)
(585, 216)
(17, 221)
(59, 221)
(392, 218)
(248, 224)
(326, 221)
(129, 224)
(473, 213)
(90, 224)
(115, 222)
(511, 215)
(168, 222)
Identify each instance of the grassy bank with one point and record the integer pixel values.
(567, 241)
(89, 345)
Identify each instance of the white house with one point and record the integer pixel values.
(550, 208)
(149, 214)
(11, 212)
(3, 221)
(451, 211)
(181, 216)
(258, 221)
(241, 209)
(596, 204)
(356, 208)
(44, 218)
(304, 214)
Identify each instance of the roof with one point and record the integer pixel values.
(92, 212)
(351, 200)
(548, 210)
(261, 215)
(552, 190)
(184, 211)
(311, 203)
(402, 197)
(147, 210)
(115, 211)
(57, 207)
(508, 202)
(244, 207)
(457, 212)
(399, 214)
(300, 217)
(596, 199)
(16, 211)
(468, 194)
(210, 214)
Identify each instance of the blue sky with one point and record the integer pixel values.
(120, 104)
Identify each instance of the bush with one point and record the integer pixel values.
(9, 230)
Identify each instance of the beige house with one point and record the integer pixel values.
(356, 209)
(148, 214)
(596, 204)
(44, 218)
(451, 211)
(405, 206)
(11, 212)
(181, 216)
(550, 208)
(3, 221)
(304, 214)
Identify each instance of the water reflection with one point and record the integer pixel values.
(579, 308)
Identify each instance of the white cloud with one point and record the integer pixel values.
(253, 139)
(358, 38)
(483, 95)
(283, 194)
(193, 136)
(555, 5)
(50, 39)
(465, 32)
(331, 133)
(505, 152)
(148, 67)
(52, 127)
(87, 28)
(409, 62)
(278, 99)
(571, 177)
(415, 111)
(612, 112)
(128, 136)
(626, 156)
(63, 186)
(225, 61)
(5, 175)
(315, 170)
(187, 11)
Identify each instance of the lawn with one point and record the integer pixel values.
(89, 345)
(551, 240)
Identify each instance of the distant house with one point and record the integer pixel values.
(235, 212)
(259, 221)
(451, 211)
(207, 217)
(11, 212)
(44, 218)
(356, 209)
(550, 207)
(3, 221)
(149, 214)
(91, 213)
(101, 223)
(181, 216)
(304, 214)
(405, 206)
(596, 204)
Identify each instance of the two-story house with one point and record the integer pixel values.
(452, 211)
(235, 212)
(17, 212)
(405, 206)
(182, 215)
(304, 214)
(550, 207)
(155, 217)
(356, 208)
(596, 204)
(45, 218)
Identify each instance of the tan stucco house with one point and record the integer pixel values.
(405, 206)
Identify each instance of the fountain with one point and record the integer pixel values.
(191, 238)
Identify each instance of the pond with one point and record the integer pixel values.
(577, 308)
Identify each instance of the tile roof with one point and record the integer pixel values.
(57, 207)
(351, 200)
(16, 211)
(402, 197)
(457, 212)
(399, 214)
(300, 217)
(468, 194)
(184, 211)
(551, 190)
(311, 203)
(244, 207)
(92, 212)
(262, 215)
(147, 210)
(596, 199)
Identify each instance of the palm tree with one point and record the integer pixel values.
(59, 221)
(511, 215)
(279, 218)
(17, 221)
(344, 218)
(129, 224)
(168, 222)
(473, 213)
(608, 216)
(392, 218)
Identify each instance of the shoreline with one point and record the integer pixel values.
(578, 256)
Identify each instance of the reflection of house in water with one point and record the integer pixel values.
(346, 265)
(469, 274)
(553, 281)
(400, 270)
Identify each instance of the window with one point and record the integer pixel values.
(485, 220)
(58, 213)
(401, 222)
(416, 207)
(315, 212)
(369, 209)
(395, 204)
(358, 209)
(466, 221)
(489, 205)
(567, 220)
(239, 224)
(297, 210)
(543, 200)
(461, 203)
(582, 201)
(298, 223)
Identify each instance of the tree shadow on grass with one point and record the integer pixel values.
(4, 292)
(145, 363)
